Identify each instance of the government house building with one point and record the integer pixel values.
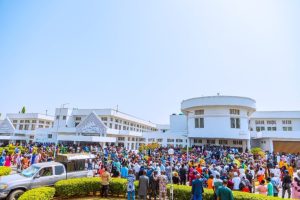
(230, 121)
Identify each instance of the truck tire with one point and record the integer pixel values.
(14, 195)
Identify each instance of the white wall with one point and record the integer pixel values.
(217, 124)
(178, 123)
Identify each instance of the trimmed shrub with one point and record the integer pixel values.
(43, 193)
(118, 186)
(182, 192)
(85, 186)
(4, 171)
(77, 187)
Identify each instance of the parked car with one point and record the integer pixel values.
(43, 174)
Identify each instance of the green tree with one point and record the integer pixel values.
(23, 110)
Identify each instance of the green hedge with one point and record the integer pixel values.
(182, 192)
(4, 171)
(42, 193)
(79, 187)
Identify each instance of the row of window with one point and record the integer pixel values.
(273, 128)
(272, 122)
(221, 142)
(131, 139)
(231, 111)
(27, 127)
(31, 121)
(234, 123)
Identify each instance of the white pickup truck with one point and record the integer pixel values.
(42, 174)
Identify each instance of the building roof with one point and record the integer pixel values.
(276, 114)
(113, 112)
(220, 100)
(29, 116)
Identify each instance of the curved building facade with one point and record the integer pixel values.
(219, 120)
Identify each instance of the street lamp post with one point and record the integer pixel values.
(171, 153)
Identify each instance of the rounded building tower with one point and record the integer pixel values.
(219, 120)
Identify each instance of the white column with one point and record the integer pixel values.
(248, 145)
(271, 145)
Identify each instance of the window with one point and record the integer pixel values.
(26, 127)
(116, 126)
(121, 138)
(223, 142)
(151, 140)
(32, 127)
(234, 111)
(77, 118)
(273, 128)
(237, 142)
(124, 127)
(64, 117)
(21, 127)
(33, 121)
(259, 122)
(179, 140)
(41, 126)
(159, 140)
(117, 120)
(15, 125)
(21, 121)
(110, 125)
(76, 124)
(27, 121)
(286, 121)
(47, 171)
(48, 123)
(235, 123)
(170, 140)
(15, 121)
(197, 141)
(271, 122)
(104, 118)
(41, 122)
(49, 136)
(211, 141)
(287, 128)
(199, 122)
(57, 117)
(59, 170)
(199, 112)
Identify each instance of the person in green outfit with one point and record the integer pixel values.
(224, 193)
(269, 187)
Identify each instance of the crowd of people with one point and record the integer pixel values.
(221, 169)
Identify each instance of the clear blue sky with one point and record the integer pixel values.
(147, 56)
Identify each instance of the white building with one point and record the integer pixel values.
(217, 120)
(20, 128)
(104, 126)
(277, 131)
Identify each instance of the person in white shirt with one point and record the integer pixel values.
(236, 181)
